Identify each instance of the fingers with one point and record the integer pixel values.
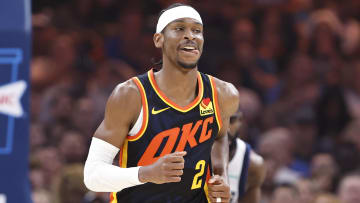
(182, 153)
(216, 180)
(218, 194)
(218, 189)
(175, 173)
(176, 157)
(173, 179)
(173, 166)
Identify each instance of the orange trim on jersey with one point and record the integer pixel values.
(215, 98)
(173, 104)
(123, 155)
(206, 189)
(145, 111)
(113, 198)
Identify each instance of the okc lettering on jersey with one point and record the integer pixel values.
(188, 136)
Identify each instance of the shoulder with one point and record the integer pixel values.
(124, 99)
(228, 96)
(257, 170)
(127, 88)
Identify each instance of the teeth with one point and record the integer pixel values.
(189, 47)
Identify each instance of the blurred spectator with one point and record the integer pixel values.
(285, 193)
(324, 171)
(250, 106)
(41, 196)
(326, 198)
(304, 130)
(352, 93)
(332, 112)
(351, 134)
(70, 187)
(297, 93)
(73, 147)
(37, 136)
(92, 197)
(243, 30)
(306, 190)
(84, 117)
(56, 106)
(277, 148)
(50, 162)
(349, 188)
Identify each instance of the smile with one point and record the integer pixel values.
(189, 50)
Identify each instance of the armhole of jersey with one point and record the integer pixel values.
(244, 171)
(137, 127)
(215, 99)
(144, 114)
(113, 198)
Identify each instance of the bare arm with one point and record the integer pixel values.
(122, 110)
(228, 98)
(256, 176)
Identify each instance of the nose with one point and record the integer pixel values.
(189, 34)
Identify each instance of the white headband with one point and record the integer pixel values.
(176, 13)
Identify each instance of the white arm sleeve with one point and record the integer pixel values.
(99, 173)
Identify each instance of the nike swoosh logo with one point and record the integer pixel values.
(153, 111)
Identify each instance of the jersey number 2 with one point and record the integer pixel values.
(200, 165)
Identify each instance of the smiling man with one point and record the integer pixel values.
(170, 126)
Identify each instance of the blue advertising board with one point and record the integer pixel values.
(15, 41)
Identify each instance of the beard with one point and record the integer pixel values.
(188, 66)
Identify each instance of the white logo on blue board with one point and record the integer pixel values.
(11, 92)
(10, 98)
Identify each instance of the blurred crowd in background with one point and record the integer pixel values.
(296, 64)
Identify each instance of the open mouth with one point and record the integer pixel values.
(190, 49)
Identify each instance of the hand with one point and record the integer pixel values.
(218, 188)
(166, 169)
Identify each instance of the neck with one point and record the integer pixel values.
(179, 84)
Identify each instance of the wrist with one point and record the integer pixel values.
(143, 177)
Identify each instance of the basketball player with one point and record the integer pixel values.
(169, 125)
(246, 168)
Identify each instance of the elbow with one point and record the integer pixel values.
(89, 179)
(88, 183)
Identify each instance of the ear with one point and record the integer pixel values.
(158, 40)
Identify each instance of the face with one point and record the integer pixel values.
(235, 125)
(350, 190)
(283, 195)
(181, 42)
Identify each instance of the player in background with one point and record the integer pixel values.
(246, 168)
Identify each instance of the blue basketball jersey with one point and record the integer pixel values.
(166, 128)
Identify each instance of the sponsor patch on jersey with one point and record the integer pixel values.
(206, 107)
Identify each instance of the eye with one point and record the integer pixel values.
(197, 31)
(179, 28)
